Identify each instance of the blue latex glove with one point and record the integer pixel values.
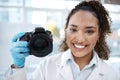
(19, 50)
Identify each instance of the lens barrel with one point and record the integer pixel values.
(40, 42)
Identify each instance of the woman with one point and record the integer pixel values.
(83, 49)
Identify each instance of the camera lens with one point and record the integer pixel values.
(39, 44)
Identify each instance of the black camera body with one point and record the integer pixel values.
(40, 42)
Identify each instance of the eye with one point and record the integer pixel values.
(72, 30)
(90, 31)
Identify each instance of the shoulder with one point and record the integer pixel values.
(51, 59)
(106, 66)
(54, 58)
(57, 59)
(108, 70)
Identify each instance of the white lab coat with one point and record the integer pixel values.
(54, 68)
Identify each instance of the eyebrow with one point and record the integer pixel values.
(73, 25)
(88, 27)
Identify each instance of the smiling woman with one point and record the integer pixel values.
(103, 22)
(82, 33)
(83, 49)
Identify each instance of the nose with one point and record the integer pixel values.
(80, 37)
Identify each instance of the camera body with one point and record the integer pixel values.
(40, 42)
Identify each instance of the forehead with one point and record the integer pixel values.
(83, 18)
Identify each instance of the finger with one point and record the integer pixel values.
(18, 55)
(19, 50)
(19, 35)
(26, 54)
(20, 44)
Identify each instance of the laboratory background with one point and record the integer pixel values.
(25, 15)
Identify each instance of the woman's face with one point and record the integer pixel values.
(82, 33)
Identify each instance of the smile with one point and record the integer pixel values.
(79, 46)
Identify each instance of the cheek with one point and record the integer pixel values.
(69, 38)
(93, 40)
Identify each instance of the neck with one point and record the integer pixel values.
(83, 61)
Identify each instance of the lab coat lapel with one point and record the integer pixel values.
(97, 73)
(65, 73)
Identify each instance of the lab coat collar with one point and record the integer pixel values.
(65, 72)
(98, 73)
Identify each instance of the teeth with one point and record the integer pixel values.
(79, 46)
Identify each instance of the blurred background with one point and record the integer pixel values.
(24, 15)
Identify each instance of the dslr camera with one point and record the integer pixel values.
(40, 42)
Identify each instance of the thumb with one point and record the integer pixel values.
(17, 36)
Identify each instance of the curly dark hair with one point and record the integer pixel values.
(104, 22)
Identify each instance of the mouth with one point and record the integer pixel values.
(78, 46)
